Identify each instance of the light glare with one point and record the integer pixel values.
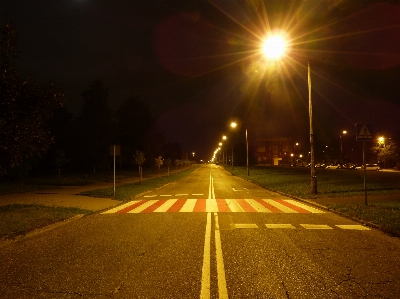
(274, 47)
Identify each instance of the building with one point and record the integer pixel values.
(274, 151)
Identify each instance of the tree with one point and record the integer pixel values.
(139, 160)
(94, 128)
(159, 162)
(26, 107)
(386, 151)
(134, 119)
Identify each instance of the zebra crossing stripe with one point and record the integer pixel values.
(213, 205)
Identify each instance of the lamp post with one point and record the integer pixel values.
(274, 48)
(224, 155)
(233, 126)
(341, 146)
(312, 165)
(247, 154)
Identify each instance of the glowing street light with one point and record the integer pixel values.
(233, 126)
(274, 47)
(341, 146)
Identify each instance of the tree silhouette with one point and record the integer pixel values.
(26, 107)
(94, 128)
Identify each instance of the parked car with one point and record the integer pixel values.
(348, 166)
(368, 167)
(358, 167)
(372, 167)
(333, 166)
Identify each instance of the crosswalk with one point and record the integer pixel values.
(177, 205)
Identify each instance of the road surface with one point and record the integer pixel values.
(209, 235)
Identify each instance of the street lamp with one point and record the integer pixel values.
(224, 155)
(275, 47)
(247, 154)
(341, 146)
(233, 126)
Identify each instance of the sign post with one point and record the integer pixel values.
(364, 133)
(115, 150)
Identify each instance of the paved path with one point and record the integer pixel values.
(67, 196)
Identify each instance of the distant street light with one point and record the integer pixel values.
(341, 146)
(224, 155)
(233, 126)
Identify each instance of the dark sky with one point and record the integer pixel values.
(198, 62)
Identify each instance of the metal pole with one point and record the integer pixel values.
(365, 175)
(232, 156)
(341, 149)
(313, 175)
(247, 154)
(114, 169)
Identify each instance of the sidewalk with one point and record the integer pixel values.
(67, 196)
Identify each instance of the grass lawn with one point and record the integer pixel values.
(19, 219)
(296, 181)
(335, 183)
(384, 214)
(52, 181)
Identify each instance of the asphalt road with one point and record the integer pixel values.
(209, 235)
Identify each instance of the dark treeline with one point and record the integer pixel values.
(38, 134)
(84, 142)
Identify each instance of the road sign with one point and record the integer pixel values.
(364, 132)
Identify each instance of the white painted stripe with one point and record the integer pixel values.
(222, 290)
(316, 226)
(257, 206)
(150, 196)
(164, 207)
(181, 194)
(166, 195)
(354, 227)
(281, 207)
(189, 205)
(303, 206)
(280, 225)
(197, 194)
(211, 205)
(233, 205)
(116, 209)
(212, 189)
(205, 272)
(143, 206)
(246, 225)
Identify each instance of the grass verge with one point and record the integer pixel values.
(336, 183)
(384, 214)
(127, 191)
(52, 181)
(295, 181)
(19, 219)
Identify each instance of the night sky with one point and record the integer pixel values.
(198, 63)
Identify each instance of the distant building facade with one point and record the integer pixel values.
(273, 151)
